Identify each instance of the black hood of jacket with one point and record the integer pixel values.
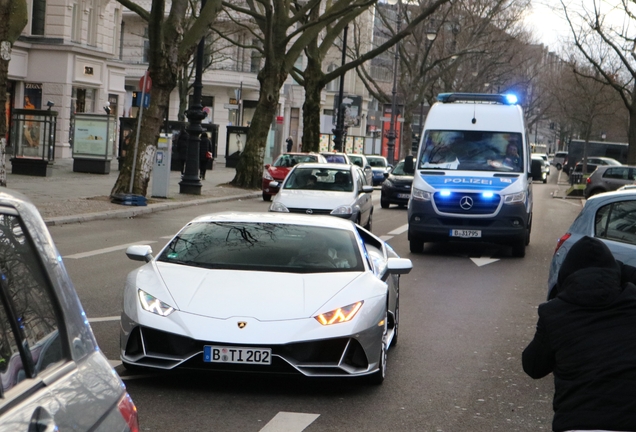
(589, 274)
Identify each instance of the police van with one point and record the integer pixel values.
(472, 178)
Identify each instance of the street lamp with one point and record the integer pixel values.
(391, 135)
(190, 182)
(339, 130)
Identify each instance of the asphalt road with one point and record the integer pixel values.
(467, 312)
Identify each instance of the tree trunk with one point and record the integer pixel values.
(311, 107)
(151, 122)
(249, 170)
(631, 135)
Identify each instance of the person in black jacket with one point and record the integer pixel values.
(586, 337)
(205, 147)
(182, 148)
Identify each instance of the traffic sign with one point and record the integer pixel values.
(148, 83)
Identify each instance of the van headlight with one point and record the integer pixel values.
(519, 197)
(420, 195)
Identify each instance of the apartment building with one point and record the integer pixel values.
(68, 54)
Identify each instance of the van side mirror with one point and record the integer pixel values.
(409, 164)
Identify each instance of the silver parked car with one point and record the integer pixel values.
(362, 162)
(53, 375)
(326, 189)
(608, 178)
(610, 217)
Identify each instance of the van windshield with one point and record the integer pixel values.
(472, 150)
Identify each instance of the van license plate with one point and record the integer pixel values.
(465, 233)
(225, 354)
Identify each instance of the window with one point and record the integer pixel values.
(146, 52)
(93, 12)
(117, 23)
(334, 84)
(616, 173)
(255, 57)
(617, 222)
(31, 340)
(76, 25)
(38, 17)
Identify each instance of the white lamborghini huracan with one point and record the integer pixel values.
(265, 292)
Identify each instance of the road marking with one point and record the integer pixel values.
(106, 250)
(289, 422)
(400, 230)
(104, 319)
(484, 261)
(386, 237)
(114, 363)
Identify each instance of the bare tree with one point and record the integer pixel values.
(172, 43)
(283, 30)
(584, 101)
(608, 49)
(13, 19)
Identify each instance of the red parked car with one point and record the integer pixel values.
(281, 167)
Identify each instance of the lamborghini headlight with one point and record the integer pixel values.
(518, 197)
(154, 305)
(339, 315)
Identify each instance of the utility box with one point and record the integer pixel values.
(161, 167)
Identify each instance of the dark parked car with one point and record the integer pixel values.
(608, 178)
(380, 167)
(53, 375)
(396, 189)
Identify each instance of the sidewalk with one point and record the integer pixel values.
(71, 197)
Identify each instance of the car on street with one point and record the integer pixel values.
(593, 162)
(396, 189)
(281, 167)
(608, 178)
(265, 292)
(327, 189)
(53, 375)
(380, 167)
(336, 157)
(539, 168)
(362, 162)
(559, 159)
(610, 217)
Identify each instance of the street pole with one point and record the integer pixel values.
(190, 183)
(339, 130)
(392, 134)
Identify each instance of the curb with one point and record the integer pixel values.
(133, 211)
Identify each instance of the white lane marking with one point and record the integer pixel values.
(289, 422)
(114, 363)
(400, 230)
(484, 261)
(107, 250)
(386, 237)
(104, 319)
(167, 237)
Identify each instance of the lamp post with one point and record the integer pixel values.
(339, 130)
(392, 134)
(190, 182)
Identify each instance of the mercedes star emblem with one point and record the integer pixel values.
(466, 203)
(241, 324)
